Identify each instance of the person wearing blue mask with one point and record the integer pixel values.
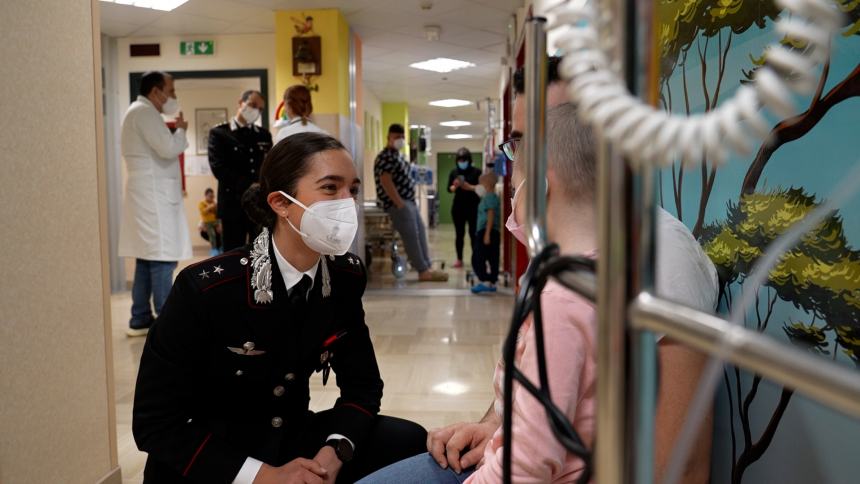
(224, 383)
(462, 182)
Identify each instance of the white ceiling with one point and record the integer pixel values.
(392, 38)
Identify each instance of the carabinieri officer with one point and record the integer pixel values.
(223, 388)
(236, 152)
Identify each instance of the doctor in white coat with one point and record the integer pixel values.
(154, 229)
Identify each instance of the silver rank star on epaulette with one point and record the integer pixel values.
(354, 261)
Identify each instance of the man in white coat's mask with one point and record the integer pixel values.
(154, 229)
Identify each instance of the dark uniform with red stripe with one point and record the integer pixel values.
(223, 378)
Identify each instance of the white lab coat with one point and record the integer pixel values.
(153, 226)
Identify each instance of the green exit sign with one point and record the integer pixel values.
(197, 47)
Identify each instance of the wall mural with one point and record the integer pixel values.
(763, 433)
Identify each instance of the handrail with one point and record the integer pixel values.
(829, 383)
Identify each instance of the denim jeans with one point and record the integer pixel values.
(152, 280)
(407, 221)
(486, 255)
(421, 469)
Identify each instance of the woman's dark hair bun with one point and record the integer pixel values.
(255, 205)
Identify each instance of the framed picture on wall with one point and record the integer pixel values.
(204, 120)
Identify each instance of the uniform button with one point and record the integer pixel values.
(239, 372)
(277, 422)
(252, 171)
(278, 391)
(243, 261)
(290, 376)
(235, 148)
(251, 160)
(249, 346)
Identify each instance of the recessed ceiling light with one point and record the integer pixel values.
(165, 5)
(442, 64)
(455, 123)
(458, 136)
(450, 103)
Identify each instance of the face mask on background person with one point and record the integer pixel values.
(170, 107)
(250, 114)
(480, 190)
(328, 226)
(516, 228)
(399, 143)
(462, 165)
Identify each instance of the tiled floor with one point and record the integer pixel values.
(436, 345)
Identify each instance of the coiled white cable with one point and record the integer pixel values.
(645, 134)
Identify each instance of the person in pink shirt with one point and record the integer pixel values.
(472, 452)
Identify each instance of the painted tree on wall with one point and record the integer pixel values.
(683, 24)
(821, 276)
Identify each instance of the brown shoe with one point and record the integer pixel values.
(433, 276)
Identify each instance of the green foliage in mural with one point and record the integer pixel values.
(820, 276)
(681, 22)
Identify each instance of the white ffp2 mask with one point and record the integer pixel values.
(328, 226)
(170, 107)
(250, 114)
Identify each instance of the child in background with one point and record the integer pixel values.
(209, 220)
(485, 253)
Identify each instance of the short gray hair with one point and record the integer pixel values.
(571, 152)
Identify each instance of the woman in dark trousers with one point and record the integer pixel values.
(462, 182)
(223, 388)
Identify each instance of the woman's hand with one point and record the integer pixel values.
(297, 471)
(327, 458)
(447, 444)
(487, 238)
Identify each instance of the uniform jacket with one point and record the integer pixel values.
(235, 156)
(223, 378)
(153, 225)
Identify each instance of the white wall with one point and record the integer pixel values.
(57, 397)
(372, 146)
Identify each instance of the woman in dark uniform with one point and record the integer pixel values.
(462, 181)
(223, 388)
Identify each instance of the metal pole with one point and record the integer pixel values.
(829, 383)
(611, 446)
(535, 135)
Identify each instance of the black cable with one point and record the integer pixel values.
(547, 264)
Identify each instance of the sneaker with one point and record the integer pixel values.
(458, 264)
(138, 329)
(434, 276)
(482, 287)
(133, 332)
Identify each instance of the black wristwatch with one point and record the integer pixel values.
(342, 448)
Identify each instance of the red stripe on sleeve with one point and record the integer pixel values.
(357, 407)
(199, 449)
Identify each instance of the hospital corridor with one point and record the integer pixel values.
(430, 242)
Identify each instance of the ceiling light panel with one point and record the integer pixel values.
(441, 64)
(450, 103)
(455, 123)
(164, 5)
(458, 136)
